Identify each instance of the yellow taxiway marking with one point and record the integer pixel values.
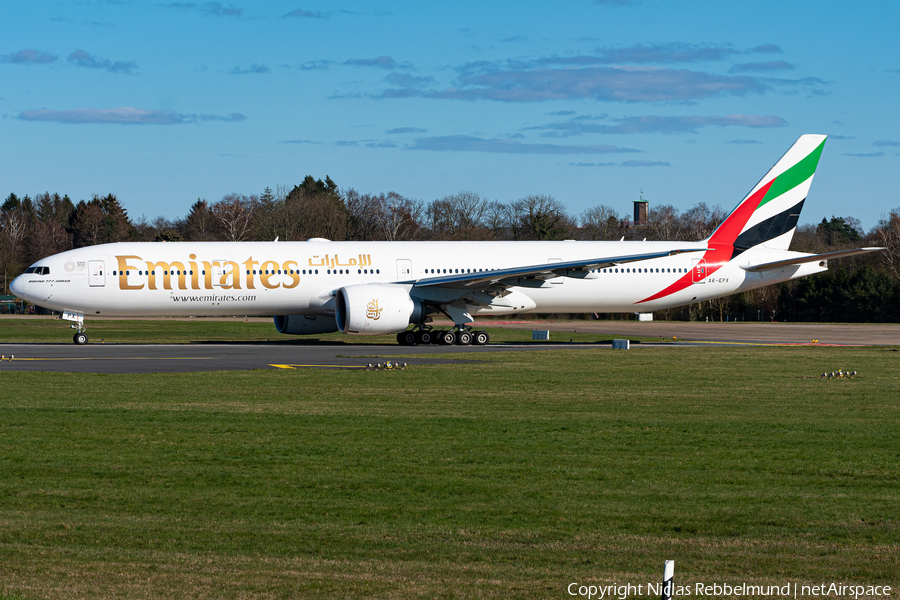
(319, 366)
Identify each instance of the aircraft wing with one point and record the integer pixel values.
(778, 264)
(506, 277)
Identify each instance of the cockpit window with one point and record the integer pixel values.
(38, 270)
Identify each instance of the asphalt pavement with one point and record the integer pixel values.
(237, 356)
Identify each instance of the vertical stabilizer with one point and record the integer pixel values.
(768, 214)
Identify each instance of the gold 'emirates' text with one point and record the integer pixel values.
(206, 275)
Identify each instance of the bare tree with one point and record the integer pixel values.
(460, 216)
(13, 227)
(387, 217)
(665, 222)
(701, 220)
(47, 238)
(600, 223)
(398, 217)
(235, 213)
(805, 239)
(540, 217)
(887, 235)
(362, 222)
(497, 219)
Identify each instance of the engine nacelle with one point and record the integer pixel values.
(304, 324)
(374, 308)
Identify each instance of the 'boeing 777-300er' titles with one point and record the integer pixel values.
(369, 288)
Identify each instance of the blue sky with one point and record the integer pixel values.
(591, 101)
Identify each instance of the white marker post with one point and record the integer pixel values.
(668, 574)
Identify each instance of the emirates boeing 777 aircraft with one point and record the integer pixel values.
(369, 288)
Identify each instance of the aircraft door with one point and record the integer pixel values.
(699, 270)
(96, 274)
(218, 270)
(404, 269)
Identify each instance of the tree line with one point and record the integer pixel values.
(864, 288)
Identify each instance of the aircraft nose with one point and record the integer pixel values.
(17, 286)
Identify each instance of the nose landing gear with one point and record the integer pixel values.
(80, 338)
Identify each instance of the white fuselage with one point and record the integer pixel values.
(290, 278)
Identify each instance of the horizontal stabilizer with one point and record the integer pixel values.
(778, 264)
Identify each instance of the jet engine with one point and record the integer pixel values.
(304, 324)
(374, 308)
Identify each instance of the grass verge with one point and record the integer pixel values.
(510, 477)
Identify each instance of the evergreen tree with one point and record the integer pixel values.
(88, 224)
(837, 231)
(118, 227)
(201, 224)
(12, 202)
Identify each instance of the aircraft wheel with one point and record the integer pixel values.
(424, 337)
(447, 338)
(481, 338)
(80, 338)
(406, 338)
(464, 338)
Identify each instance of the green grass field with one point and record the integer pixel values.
(511, 477)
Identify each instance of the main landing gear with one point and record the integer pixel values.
(461, 335)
